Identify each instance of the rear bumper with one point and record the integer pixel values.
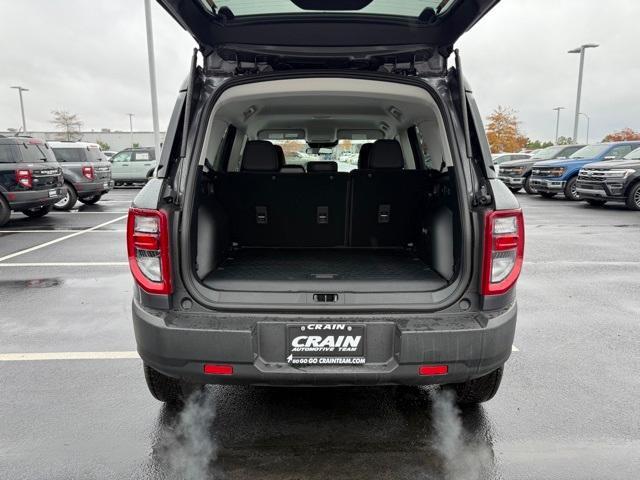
(34, 198)
(180, 345)
(89, 189)
(547, 185)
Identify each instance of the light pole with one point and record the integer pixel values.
(24, 122)
(131, 115)
(152, 77)
(581, 49)
(557, 109)
(588, 122)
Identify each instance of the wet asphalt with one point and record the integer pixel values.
(567, 408)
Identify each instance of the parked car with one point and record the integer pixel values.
(394, 273)
(611, 181)
(517, 173)
(500, 158)
(133, 165)
(30, 178)
(551, 177)
(87, 173)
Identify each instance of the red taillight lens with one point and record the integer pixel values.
(211, 369)
(87, 172)
(148, 249)
(23, 177)
(503, 251)
(431, 370)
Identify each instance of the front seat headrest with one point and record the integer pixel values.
(260, 156)
(322, 166)
(292, 169)
(363, 156)
(386, 155)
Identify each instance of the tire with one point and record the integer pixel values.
(91, 200)
(596, 203)
(171, 391)
(570, 192)
(478, 390)
(527, 186)
(69, 200)
(5, 211)
(514, 189)
(37, 212)
(547, 194)
(633, 199)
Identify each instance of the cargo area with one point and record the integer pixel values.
(348, 193)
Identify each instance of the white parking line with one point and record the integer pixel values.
(29, 357)
(57, 240)
(65, 264)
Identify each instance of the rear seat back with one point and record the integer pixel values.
(386, 200)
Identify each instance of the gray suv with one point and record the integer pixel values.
(252, 268)
(87, 173)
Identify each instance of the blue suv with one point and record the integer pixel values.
(560, 176)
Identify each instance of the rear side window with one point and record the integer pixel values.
(9, 154)
(68, 155)
(32, 153)
(95, 155)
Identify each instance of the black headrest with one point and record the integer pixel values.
(280, 155)
(386, 155)
(260, 156)
(325, 166)
(363, 156)
(292, 169)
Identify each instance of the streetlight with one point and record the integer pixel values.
(24, 122)
(581, 49)
(557, 109)
(152, 78)
(588, 122)
(131, 115)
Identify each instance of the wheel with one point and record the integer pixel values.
(571, 190)
(37, 212)
(633, 199)
(515, 189)
(171, 391)
(527, 186)
(91, 200)
(69, 200)
(547, 194)
(5, 211)
(596, 203)
(478, 390)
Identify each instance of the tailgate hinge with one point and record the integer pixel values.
(218, 66)
(482, 198)
(425, 64)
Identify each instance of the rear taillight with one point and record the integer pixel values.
(87, 172)
(148, 249)
(24, 178)
(503, 251)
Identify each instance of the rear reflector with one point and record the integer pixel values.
(211, 369)
(431, 370)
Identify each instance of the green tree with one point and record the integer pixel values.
(103, 145)
(565, 140)
(537, 144)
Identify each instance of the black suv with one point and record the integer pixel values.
(612, 181)
(30, 178)
(253, 267)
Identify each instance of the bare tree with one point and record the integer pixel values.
(68, 123)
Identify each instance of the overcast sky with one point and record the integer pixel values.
(90, 58)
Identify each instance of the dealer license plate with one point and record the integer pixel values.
(325, 344)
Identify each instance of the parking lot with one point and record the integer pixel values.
(74, 403)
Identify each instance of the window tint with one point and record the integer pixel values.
(121, 157)
(65, 155)
(32, 153)
(9, 154)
